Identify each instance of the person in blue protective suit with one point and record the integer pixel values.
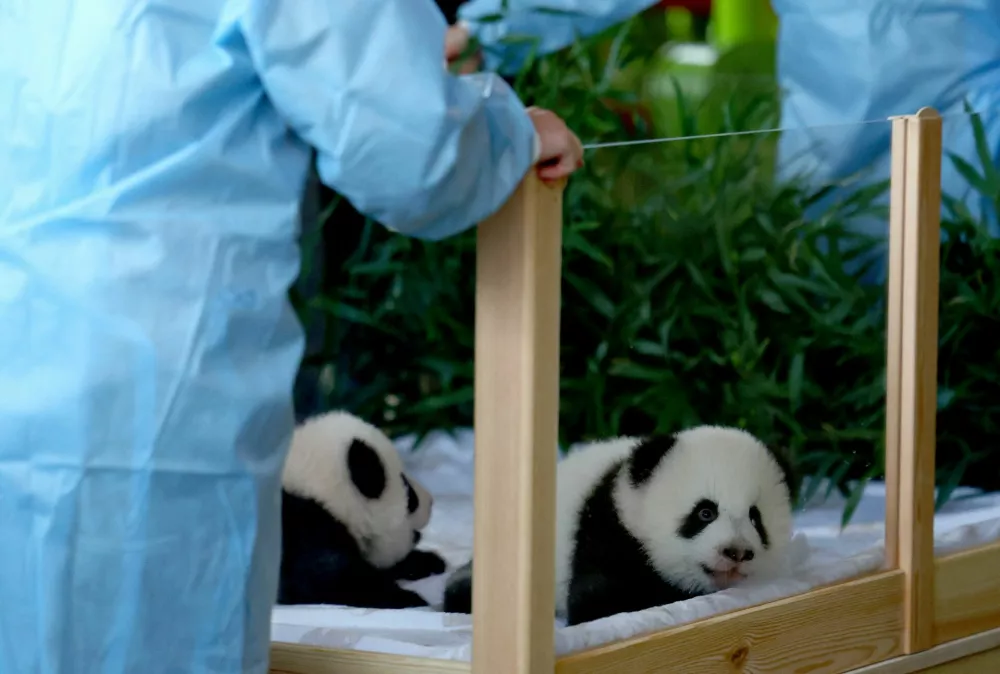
(509, 30)
(151, 164)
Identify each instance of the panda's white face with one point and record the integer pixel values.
(710, 510)
(354, 471)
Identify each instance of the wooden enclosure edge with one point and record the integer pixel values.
(967, 603)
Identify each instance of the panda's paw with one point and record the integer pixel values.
(428, 563)
(420, 564)
(458, 595)
(409, 599)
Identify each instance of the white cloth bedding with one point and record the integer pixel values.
(821, 553)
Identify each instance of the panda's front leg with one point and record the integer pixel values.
(458, 590)
(392, 595)
(345, 580)
(595, 595)
(419, 564)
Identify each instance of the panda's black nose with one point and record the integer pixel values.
(416, 537)
(737, 554)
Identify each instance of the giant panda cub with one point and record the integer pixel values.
(350, 518)
(643, 522)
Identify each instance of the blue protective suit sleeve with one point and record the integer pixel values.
(424, 152)
(527, 26)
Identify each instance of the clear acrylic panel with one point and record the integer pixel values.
(968, 398)
(738, 279)
(732, 279)
(729, 274)
(656, 76)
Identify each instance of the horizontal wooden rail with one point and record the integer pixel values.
(839, 628)
(967, 593)
(954, 656)
(826, 631)
(297, 659)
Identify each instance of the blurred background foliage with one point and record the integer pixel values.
(697, 287)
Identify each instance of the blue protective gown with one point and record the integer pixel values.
(842, 64)
(510, 30)
(152, 154)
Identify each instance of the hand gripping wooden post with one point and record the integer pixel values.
(518, 274)
(911, 368)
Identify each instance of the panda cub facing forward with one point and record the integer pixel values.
(651, 522)
(351, 518)
(648, 522)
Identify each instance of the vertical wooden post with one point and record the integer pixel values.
(519, 271)
(915, 244)
(894, 343)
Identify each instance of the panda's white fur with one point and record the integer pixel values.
(316, 469)
(726, 465)
(629, 527)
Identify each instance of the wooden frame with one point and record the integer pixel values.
(518, 279)
(920, 614)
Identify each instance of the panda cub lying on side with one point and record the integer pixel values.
(651, 521)
(350, 518)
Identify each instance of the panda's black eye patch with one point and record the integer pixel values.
(758, 524)
(700, 516)
(366, 469)
(412, 502)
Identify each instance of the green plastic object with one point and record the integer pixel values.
(679, 24)
(739, 22)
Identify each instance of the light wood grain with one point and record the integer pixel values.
(932, 658)
(516, 432)
(921, 221)
(297, 659)
(967, 620)
(894, 339)
(826, 631)
(967, 593)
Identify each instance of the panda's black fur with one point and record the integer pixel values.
(610, 573)
(610, 570)
(350, 558)
(634, 531)
(322, 563)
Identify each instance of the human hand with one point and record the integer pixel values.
(561, 151)
(456, 44)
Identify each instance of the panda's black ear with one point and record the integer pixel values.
(647, 456)
(789, 472)
(366, 469)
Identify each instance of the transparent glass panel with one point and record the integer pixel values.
(734, 279)
(730, 275)
(739, 280)
(968, 401)
(657, 76)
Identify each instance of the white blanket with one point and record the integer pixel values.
(822, 553)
